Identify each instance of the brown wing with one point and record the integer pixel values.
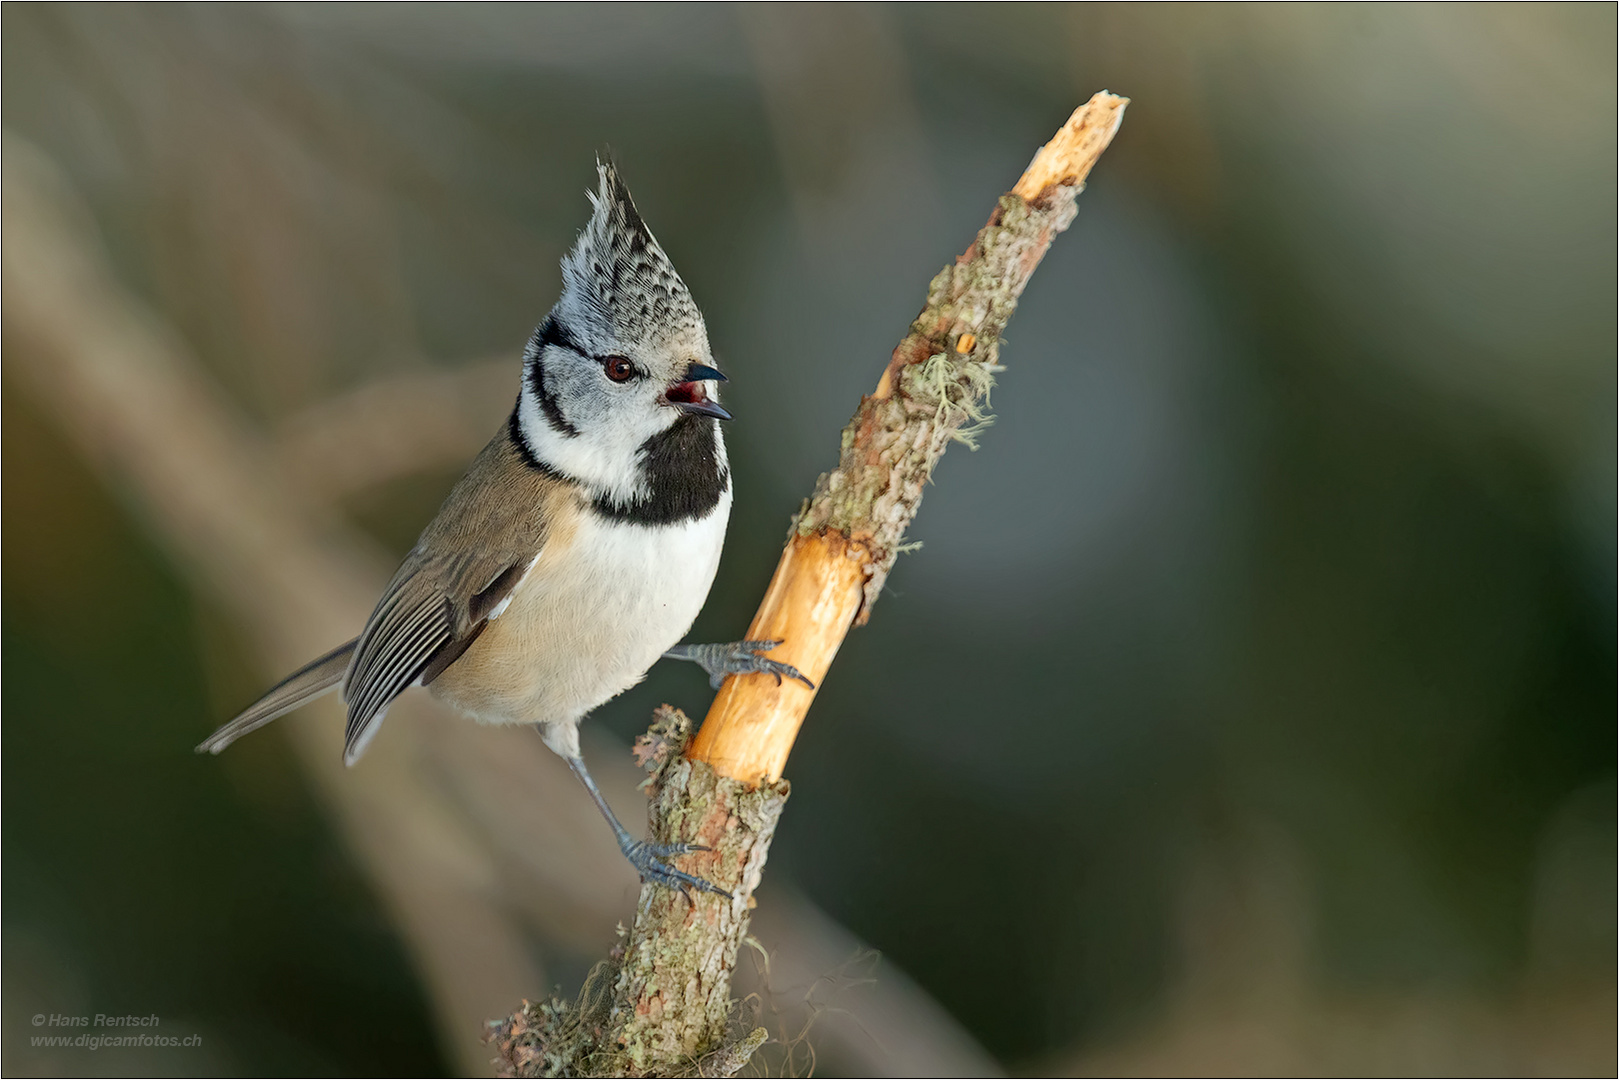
(494, 524)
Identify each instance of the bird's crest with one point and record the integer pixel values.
(617, 278)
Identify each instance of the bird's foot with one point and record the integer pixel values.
(648, 860)
(737, 658)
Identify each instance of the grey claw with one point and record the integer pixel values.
(747, 656)
(664, 851)
(647, 858)
(737, 658)
(778, 669)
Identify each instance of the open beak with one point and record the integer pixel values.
(689, 396)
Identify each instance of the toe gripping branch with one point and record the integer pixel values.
(737, 658)
(647, 858)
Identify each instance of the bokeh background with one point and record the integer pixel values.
(1250, 707)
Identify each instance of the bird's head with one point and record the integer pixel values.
(621, 366)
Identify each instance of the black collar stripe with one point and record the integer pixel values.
(682, 467)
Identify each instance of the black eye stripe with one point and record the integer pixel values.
(553, 333)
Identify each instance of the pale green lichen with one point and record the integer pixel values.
(959, 388)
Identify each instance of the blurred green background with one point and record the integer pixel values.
(1251, 704)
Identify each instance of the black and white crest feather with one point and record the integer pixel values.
(617, 283)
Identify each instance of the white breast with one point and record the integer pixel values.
(636, 589)
(588, 620)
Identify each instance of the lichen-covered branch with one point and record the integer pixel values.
(669, 1012)
(848, 534)
(661, 1004)
(932, 389)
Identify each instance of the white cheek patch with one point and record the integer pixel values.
(605, 456)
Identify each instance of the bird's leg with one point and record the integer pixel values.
(646, 856)
(736, 658)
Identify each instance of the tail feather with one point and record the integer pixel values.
(304, 685)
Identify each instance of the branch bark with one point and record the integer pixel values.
(662, 1007)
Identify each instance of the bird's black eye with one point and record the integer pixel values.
(618, 368)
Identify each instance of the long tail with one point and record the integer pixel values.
(304, 685)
